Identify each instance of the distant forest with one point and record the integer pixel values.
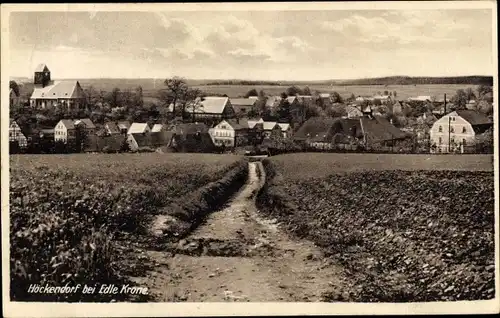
(407, 80)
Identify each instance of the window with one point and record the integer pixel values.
(452, 129)
(440, 128)
(440, 140)
(464, 130)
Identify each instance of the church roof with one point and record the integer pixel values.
(63, 89)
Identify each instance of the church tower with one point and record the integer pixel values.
(42, 76)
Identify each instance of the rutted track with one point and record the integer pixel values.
(236, 255)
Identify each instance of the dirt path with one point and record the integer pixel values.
(238, 256)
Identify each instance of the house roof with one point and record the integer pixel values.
(209, 104)
(243, 101)
(112, 127)
(68, 123)
(253, 122)
(474, 117)
(240, 124)
(41, 68)
(88, 123)
(156, 128)
(291, 99)
(124, 124)
(269, 125)
(62, 89)
(314, 127)
(324, 95)
(284, 126)
(377, 129)
(136, 128)
(190, 128)
(420, 98)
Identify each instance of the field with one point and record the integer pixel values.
(403, 91)
(68, 212)
(403, 232)
(151, 88)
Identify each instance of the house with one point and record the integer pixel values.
(269, 128)
(48, 94)
(353, 111)
(110, 143)
(16, 135)
(87, 125)
(211, 107)
(14, 100)
(243, 105)
(139, 128)
(120, 127)
(424, 98)
(230, 133)
(368, 129)
(152, 140)
(384, 99)
(456, 129)
(286, 130)
(66, 129)
(192, 137)
(472, 104)
(253, 122)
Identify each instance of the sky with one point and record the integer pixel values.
(254, 45)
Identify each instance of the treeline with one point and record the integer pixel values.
(407, 80)
(243, 82)
(390, 80)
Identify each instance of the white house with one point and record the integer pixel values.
(223, 134)
(457, 129)
(66, 128)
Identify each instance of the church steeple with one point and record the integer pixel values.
(42, 75)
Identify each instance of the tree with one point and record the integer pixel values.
(293, 90)
(13, 85)
(386, 93)
(351, 98)
(176, 89)
(337, 98)
(483, 90)
(377, 102)
(127, 99)
(252, 92)
(306, 91)
(460, 99)
(138, 97)
(113, 98)
(284, 110)
(470, 94)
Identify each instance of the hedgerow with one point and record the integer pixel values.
(401, 235)
(69, 213)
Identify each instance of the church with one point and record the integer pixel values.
(48, 94)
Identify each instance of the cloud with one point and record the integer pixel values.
(397, 27)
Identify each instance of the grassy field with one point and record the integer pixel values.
(303, 165)
(68, 211)
(405, 227)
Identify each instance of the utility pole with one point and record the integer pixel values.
(444, 104)
(449, 133)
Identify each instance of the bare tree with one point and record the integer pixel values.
(470, 94)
